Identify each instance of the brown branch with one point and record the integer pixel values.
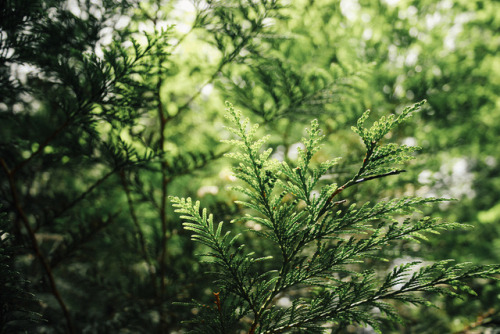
(163, 205)
(217, 301)
(164, 182)
(481, 319)
(36, 247)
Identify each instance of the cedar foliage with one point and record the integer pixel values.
(96, 135)
(318, 240)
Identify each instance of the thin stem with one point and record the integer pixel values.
(42, 146)
(86, 192)
(224, 61)
(83, 238)
(195, 95)
(286, 259)
(139, 234)
(394, 172)
(36, 247)
(163, 201)
(356, 180)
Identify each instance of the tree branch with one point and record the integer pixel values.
(36, 247)
(394, 172)
(42, 146)
(140, 235)
(86, 192)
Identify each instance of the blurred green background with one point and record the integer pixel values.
(107, 107)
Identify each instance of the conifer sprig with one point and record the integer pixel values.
(319, 243)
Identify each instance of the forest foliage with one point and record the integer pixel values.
(109, 108)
